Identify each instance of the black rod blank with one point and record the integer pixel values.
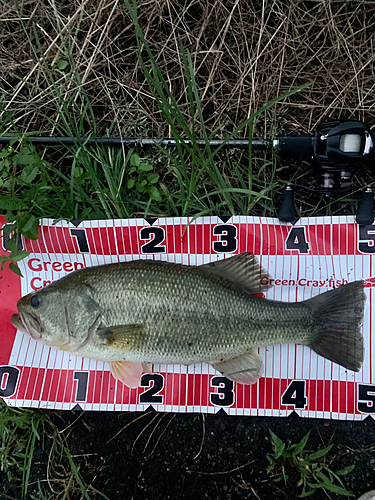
(132, 141)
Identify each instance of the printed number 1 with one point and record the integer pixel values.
(82, 242)
(82, 383)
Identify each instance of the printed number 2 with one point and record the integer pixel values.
(225, 394)
(366, 398)
(158, 236)
(295, 394)
(228, 238)
(151, 396)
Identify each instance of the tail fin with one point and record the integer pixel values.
(339, 314)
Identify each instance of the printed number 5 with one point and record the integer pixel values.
(366, 398)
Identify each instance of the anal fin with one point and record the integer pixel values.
(245, 369)
(127, 372)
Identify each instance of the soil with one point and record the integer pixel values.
(192, 456)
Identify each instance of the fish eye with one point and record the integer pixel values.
(36, 300)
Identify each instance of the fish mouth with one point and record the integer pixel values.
(28, 324)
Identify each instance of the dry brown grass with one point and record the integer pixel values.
(244, 53)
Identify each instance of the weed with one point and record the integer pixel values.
(312, 468)
(18, 436)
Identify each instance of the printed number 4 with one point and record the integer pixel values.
(295, 394)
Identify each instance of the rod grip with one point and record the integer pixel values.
(296, 146)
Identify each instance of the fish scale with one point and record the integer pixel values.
(180, 306)
(151, 312)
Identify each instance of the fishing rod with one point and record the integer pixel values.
(336, 149)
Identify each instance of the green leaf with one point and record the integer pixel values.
(32, 233)
(153, 178)
(9, 217)
(307, 494)
(145, 167)
(130, 183)
(155, 194)
(29, 173)
(275, 439)
(62, 64)
(320, 453)
(322, 476)
(19, 255)
(345, 470)
(300, 446)
(13, 267)
(135, 160)
(24, 159)
(78, 171)
(279, 450)
(27, 223)
(11, 245)
(336, 489)
(11, 203)
(5, 153)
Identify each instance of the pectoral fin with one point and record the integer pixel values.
(127, 372)
(245, 369)
(124, 337)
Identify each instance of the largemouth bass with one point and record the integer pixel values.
(134, 314)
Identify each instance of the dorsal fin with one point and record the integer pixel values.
(242, 269)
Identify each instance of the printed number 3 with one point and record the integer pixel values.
(224, 395)
(228, 238)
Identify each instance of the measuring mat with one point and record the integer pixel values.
(309, 258)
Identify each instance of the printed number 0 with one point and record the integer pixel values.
(11, 382)
(225, 394)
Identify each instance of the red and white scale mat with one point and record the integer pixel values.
(306, 259)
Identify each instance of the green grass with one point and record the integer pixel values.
(19, 433)
(80, 182)
(312, 469)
